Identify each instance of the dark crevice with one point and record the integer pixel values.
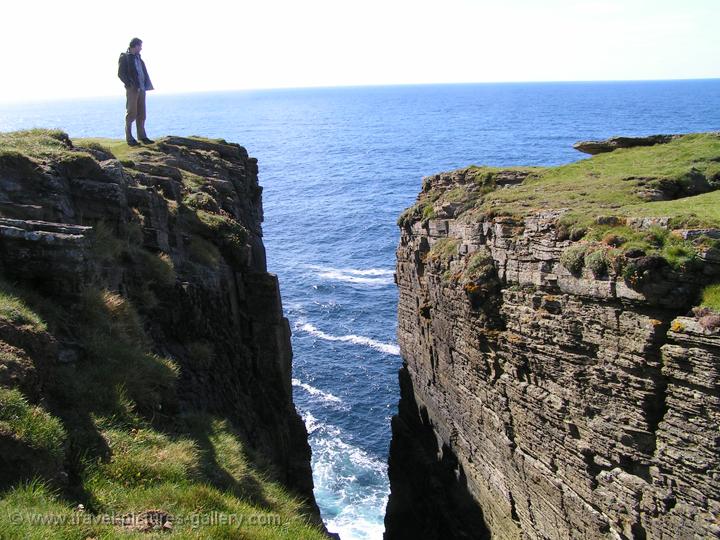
(513, 509)
(429, 496)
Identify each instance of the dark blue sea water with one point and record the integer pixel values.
(338, 166)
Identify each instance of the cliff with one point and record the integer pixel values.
(559, 334)
(144, 358)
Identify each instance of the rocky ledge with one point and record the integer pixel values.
(144, 357)
(561, 352)
(613, 143)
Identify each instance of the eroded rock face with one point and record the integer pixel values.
(219, 317)
(564, 406)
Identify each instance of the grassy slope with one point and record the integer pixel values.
(109, 417)
(598, 185)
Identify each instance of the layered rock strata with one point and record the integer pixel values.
(562, 405)
(176, 230)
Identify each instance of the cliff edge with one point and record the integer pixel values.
(559, 329)
(145, 361)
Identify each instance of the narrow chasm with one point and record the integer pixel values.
(429, 493)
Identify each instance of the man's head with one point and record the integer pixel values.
(135, 45)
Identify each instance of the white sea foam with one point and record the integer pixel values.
(370, 276)
(324, 396)
(387, 348)
(348, 481)
(311, 423)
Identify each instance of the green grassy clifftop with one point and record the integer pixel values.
(660, 201)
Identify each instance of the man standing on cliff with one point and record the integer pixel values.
(134, 75)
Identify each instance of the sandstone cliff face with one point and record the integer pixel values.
(561, 405)
(175, 229)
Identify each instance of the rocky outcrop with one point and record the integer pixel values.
(564, 402)
(175, 229)
(613, 143)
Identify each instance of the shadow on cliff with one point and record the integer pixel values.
(429, 496)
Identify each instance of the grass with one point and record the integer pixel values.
(34, 142)
(120, 365)
(150, 471)
(30, 424)
(116, 147)
(201, 469)
(187, 465)
(475, 183)
(480, 266)
(711, 297)
(443, 249)
(608, 183)
(698, 211)
(605, 247)
(16, 311)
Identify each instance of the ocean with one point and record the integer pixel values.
(338, 166)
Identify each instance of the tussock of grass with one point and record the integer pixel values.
(204, 252)
(14, 310)
(479, 267)
(443, 249)
(573, 259)
(30, 424)
(119, 366)
(34, 142)
(159, 269)
(201, 201)
(711, 297)
(597, 262)
(224, 228)
(143, 457)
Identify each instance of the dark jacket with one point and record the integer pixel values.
(127, 72)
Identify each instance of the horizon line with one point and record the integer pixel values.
(119, 95)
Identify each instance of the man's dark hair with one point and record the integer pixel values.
(134, 42)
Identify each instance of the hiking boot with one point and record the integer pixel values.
(145, 140)
(132, 142)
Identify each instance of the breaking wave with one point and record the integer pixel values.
(388, 348)
(371, 276)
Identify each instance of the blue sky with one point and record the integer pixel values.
(70, 49)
